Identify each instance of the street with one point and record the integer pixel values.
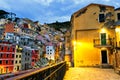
(91, 74)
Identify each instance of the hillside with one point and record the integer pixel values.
(59, 25)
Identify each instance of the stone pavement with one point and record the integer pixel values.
(91, 74)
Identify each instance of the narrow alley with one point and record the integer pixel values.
(91, 74)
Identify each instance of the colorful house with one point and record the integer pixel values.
(92, 35)
(7, 54)
(35, 56)
(50, 52)
(26, 59)
(17, 59)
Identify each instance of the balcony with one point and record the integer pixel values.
(99, 43)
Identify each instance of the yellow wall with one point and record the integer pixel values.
(89, 19)
(117, 29)
(85, 28)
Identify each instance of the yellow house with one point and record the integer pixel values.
(117, 30)
(92, 35)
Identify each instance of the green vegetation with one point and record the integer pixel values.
(57, 25)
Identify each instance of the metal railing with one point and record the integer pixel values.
(53, 72)
(106, 42)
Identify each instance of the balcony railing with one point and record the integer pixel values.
(103, 43)
(54, 72)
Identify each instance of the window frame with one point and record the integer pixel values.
(101, 20)
(118, 16)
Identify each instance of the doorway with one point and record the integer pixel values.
(104, 57)
(103, 38)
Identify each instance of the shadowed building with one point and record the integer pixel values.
(117, 46)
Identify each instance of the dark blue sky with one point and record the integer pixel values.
(47, 11)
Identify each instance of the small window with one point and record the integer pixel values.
(19, 56)
(16, 56)
(28, 54)
(7, 55)
(118, 16)
(13, 49)
(2, 48)
(1, 55)
(33, 60)
(15, 61)
(6, 62)
(12, 62)
(0, 62)
(8, 48)
(101, 18)
(20, 61)
(12, 55)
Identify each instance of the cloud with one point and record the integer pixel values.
(106, 0)
(61, 1)
(116, 4)
(49, 10)
(44, 2)
(52, 19)
(4, 5)
(61, 18)
(67, 8)
(78, 1)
